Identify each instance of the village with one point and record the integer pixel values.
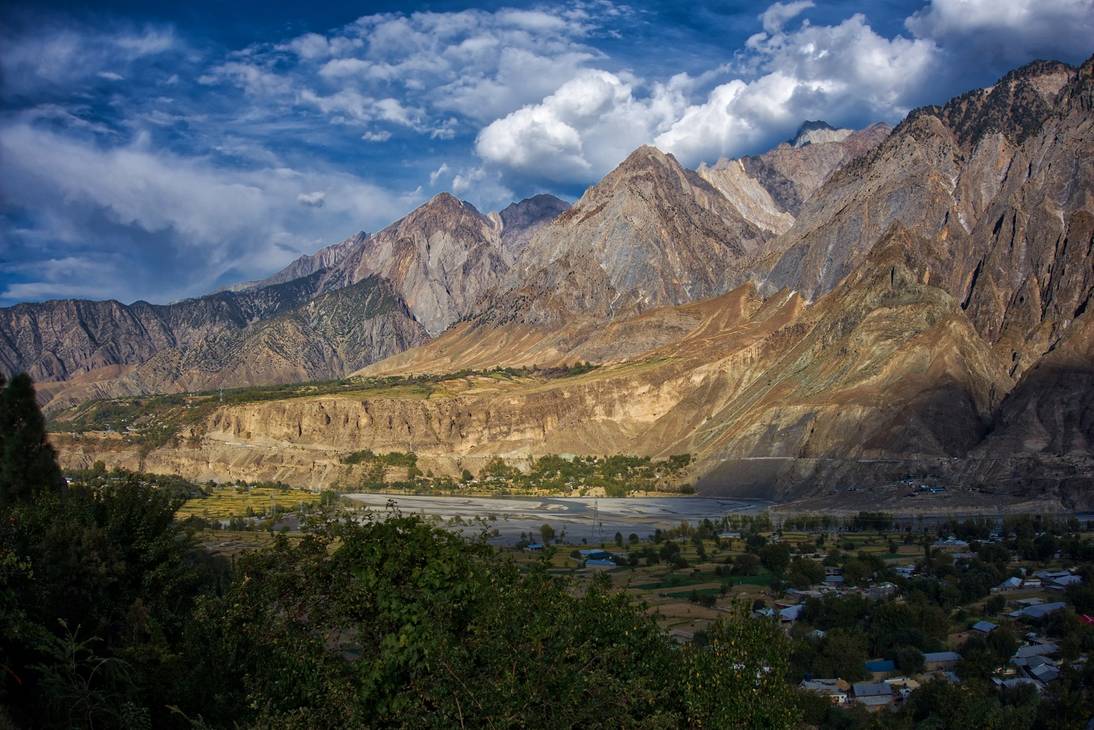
(873, 611)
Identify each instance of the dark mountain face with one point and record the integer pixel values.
(521, 220)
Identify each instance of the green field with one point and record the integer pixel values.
(227, 502)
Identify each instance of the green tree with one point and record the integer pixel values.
(746, 564)
(775, 557)
(805, 572)
(547, 533)
(28, 463)
(908, 659)
(737, 680)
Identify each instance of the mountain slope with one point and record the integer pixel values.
(1003, 177)
(649, 234)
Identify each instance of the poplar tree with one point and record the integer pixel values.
(28, 463)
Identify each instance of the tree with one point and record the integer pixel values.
(994, 605)
(28, 463)
(547, 533)
(738, 679)
(775, 557)
(746, 564)
(619, 539)
(805, 572)
(908, 659)
(842, 654)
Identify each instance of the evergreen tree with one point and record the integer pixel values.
(4, 427)
(27, 461)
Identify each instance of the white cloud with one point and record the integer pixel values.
(829, 72)
(202, 218)
(65, 56)
(824, 72)
(775, 17)
(1013, 31)
(477, 64)
(483, 185)
(380, 135)
(578, 132)
(437, 174)
(312, 200)
(254, 79)
(352, 105)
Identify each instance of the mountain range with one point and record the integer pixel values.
(849, 308)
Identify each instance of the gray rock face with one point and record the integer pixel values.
(651, 233)
(520, 221)
(326, 258)
(1002, 177)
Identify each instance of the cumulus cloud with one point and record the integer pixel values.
(1012, 31)
(579, 131)
(312, 200)
(474, 63)
(830, 72)
(827, 72)
(775, 17)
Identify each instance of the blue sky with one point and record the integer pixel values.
(157, 152)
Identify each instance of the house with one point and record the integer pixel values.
(880, 666)
(1010, 584)
(791, 613)
(833, 570)
(595, 554)
(1014, 682)
(1050, 575)
(881, 591)
(1062, 582)
(833, 580)
(1040, 610)
(951, 544)
(729, 535)
(904, 571)
(600, 563)
(984, 627)
(1044, 672)
(534, 547)
(1032, 583)
(1032, 650)
(873, 695)
(836, 690)
(940, 660)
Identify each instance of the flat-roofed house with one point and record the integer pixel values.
(873, 695)
(940, 660)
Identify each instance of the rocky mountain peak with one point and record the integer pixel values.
(1016, 105)
(818, 132)
(518, 221)
(532, 210)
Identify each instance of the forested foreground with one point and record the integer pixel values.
(112, 614)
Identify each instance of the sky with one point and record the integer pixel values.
(160, 151)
